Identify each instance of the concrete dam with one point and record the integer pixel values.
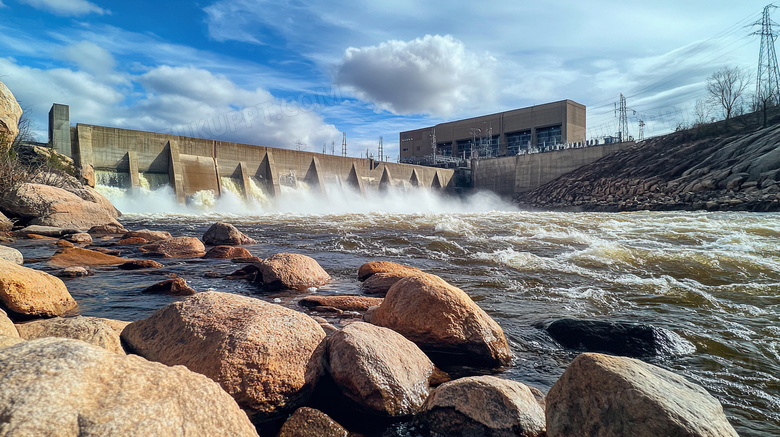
(190, 165)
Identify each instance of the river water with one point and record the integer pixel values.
(713, 278)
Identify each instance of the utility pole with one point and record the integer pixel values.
(381, 149)
(324, 145)
(767, 77)
(299, 145)
(641, 129)
(621, 111)
(344, 145)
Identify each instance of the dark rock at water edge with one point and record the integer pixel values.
(628, 339)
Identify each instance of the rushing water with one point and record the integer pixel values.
(713, 278)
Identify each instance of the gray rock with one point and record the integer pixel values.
(11, 254)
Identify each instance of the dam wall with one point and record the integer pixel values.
(513, 175)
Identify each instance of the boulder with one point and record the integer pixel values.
(48, 231)
(30, 293)
(107, 230)
(344, 303)
(266, 356)
(90, 330)
(53, 206)
(148, 235)
(80, 238)
(7, 327)
(175, 287)
(5, 224)
(616, 396)
(484, 406)
(81, 214)
(366, 270)
(308, 422)
(379, 369)
(176, 247)
(80, 257)
(137, 264)
(291, 270)
(8, 341)
(227, 252)
(131, 240)
(380, 283)
(65, 387)
(11, 254)
(443, 321)
(10, 112)
(628, 339)
(225, 234)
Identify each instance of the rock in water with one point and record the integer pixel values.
(380, 283)
(442, 320)
(627, 339)
(225, 234)
(484, 406)
(308, 422)
(175, 287)
(604, 395)
(10, 112)
(80, 257)
(65, 387)
(266, 356)
(291, 270)
(11, 254)
(379, 369)
(344, 303)
(32, 293)
(176, 247)
(227, 252)
(370, 268)
(148, 235)
(90, 330)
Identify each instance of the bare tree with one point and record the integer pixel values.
(726, 86)
(702, 111)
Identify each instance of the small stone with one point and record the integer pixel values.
(291, 270)
(176, 247)
(175, 287)
(344, 303)
(148, 235)
(138, 264)
(131, 240)
(76, 272)
(80, 238)
(227, 252)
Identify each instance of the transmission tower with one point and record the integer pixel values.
(641, 129)
(332, 147)
(767, 84)
(324, 146)
(381, 149)
(622, 115)
(344, 145)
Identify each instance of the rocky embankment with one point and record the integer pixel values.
(738, 172)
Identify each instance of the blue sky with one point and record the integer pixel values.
(286, 73)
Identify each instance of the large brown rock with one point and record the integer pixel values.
(227, 252)
(10, 112)
(53, 206)
(176, 247)
(32, 293)
(380, 283)
(379, 369)
(148, 235)
(138, 264)
(7, 327)
(291, 270)
(442, 319)
(344, 303)
(107, 230)
(11, 254)
(174, 286)
(266, 356)
(308, 422)
(90, 330)
(366, 270)
(485, 406)
(226, 234)
(607, 395)
(80, 257)
(32, 200)
(66, 388)
(81, 215)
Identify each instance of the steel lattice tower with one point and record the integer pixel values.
(344, 145)
(622, 114)
(767, 82)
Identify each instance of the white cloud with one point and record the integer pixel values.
(67, 7)
(90, 57)
(434, 74)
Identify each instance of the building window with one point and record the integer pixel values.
(464, 149)
(548, 136)
(444, 149)
(518, 142)
(406, 150)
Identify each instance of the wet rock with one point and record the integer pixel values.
(90, 330)
(138, 264)
(607, 395)
(175, 287)
(266, 356)
(79, 257)
(107, 251)
(227, 252)
(131, 240)
(64, 243)
(148, 235)
(379, 369)
(308, 422)
(249, 272)
(75, 272)
(443, 321)
(11, 254)
(225, 234)
(7, 327)
(66, 387)
(380, 283)
(484, 406)
(247, 259)
(80, 238)
(112, 229)
(79, 214)
(5, 224)
(176, 247)
(48, 231)
(366, 270)
(32, 293)
(628, 339)
(291, 270)
(344, 303)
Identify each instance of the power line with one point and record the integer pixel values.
(767, 86)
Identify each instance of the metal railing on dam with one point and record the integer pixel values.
(191, 164)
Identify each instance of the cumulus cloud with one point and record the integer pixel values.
(90, 57)
(67, 7)
(434, 74)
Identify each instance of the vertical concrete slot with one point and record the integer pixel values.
(244, 172)
(267, 171)
(175, 171)
(386, 181)
(436, 183)
(415, 179)
(132, 164)
(355, 181)
(314, 176)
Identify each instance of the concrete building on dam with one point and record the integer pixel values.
(510, 133)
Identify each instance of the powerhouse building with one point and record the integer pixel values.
(519, 131)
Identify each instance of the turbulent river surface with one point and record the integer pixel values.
(713, 278)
